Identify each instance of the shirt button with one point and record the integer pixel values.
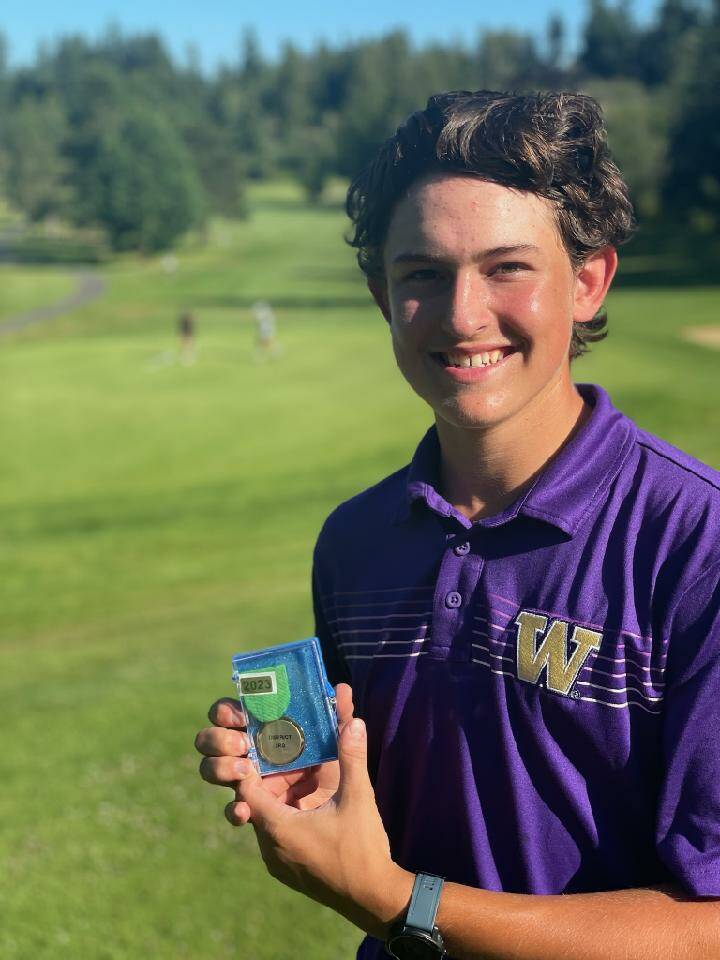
(461, 549)
(453, 600)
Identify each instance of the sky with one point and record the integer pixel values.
(215, 26)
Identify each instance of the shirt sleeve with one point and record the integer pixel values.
(688, 823)
(335, 664)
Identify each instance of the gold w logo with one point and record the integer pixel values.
(551, 654)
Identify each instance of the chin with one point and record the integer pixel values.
(468, 417)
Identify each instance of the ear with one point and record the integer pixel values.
(378, 288)
(592, 280)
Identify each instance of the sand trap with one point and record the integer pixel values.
(704, 336)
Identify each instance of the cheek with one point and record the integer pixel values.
(411, 323)
(399, 342)
(519, 298)
(404, 311)
(543, 308)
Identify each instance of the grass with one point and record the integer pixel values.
(156, 518)
(24, 288)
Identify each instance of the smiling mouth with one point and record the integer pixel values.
(487, 358)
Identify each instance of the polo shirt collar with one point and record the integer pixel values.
(563, 495)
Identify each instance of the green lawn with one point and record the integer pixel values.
(24, 288)
(155, 518)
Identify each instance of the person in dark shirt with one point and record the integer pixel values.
(186, 332)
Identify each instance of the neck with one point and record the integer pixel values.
(485, 470)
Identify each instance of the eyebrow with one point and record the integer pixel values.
(412, 257)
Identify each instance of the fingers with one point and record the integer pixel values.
(224, 771)
(227, 713)
(221, 742)
(237, 813)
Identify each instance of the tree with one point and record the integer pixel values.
(329, 78)
(507, 60)
(252, 66)
(4, 85)
(243, 93)
(692, 186)
(36, 173)
(638, 121)
(95, 99)
(382, 89)
(147, 188)
(313, 158)
(661, 46)
(555, 33)
(289, 95)
(610, 41)
(219, 164)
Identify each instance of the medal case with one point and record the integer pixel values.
(289, 705)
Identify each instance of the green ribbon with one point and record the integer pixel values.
(269, 706)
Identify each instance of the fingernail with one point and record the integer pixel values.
(356, 729)
(240, 769)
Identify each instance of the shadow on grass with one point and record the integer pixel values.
(219, 503)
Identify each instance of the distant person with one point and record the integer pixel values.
(169, 264)
(525, 618)
(186, 331)
(266, 346)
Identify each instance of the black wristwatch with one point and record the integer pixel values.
(416, 937)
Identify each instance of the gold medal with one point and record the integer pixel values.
(280, 741)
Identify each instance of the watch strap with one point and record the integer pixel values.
(424, 902)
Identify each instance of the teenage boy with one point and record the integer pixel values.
(529, 613)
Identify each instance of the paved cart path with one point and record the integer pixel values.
(89, 287)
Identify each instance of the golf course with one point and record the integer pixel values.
(156, 516)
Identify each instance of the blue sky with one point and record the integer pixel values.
(216, 25)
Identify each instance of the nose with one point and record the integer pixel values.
(468, 309)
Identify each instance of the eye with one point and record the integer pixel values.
(509, 267)
(423, 275)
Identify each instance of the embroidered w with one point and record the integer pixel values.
(551, 654)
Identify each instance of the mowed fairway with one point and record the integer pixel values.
(155, 518)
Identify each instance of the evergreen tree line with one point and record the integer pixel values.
(115, 134)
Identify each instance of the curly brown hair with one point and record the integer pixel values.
(551, 144)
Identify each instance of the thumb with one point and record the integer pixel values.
(266, 810)
(352, 755)
(344, 702)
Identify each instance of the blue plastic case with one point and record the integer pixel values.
(289, 705)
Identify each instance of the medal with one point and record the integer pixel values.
(266, 695)
(289, 706)
(280, 741)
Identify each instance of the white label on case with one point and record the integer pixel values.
(257, 684)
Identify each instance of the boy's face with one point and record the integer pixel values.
(477, 270)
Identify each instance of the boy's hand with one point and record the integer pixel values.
(225, 763)
(337, 852)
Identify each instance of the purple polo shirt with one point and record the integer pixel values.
(542, 687)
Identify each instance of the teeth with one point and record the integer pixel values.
(474, 360)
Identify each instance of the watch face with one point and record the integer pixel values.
(414, 946)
